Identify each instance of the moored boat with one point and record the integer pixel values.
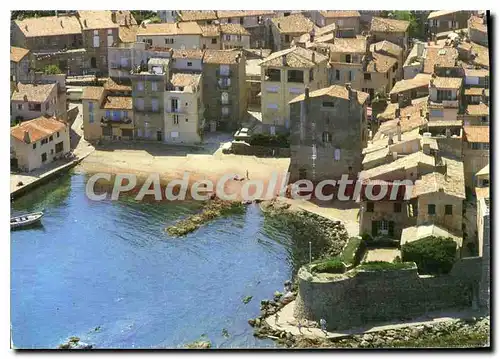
(25, 220)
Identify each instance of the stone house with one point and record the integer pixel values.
(180, 35)
(379, 73)
(187, 61)
(285, 29)
(478, 30)
(148, 92)
(108, 113)
(346, 61)
(210, 37)
(234, 36)
(444, 98)
(389, 49)
(343, 19)
(38, 142)
(483, 182)
(256, 22)
(19, 64)
(327, 134)
(476, 151)
(184, 108)
(29, 101)
(484, 244)
(285, 75)
(476, 113)
(414, 62)
(224, 88)
(445, 21)
(413, 88)
(395, 31)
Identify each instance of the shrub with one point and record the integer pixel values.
(264, 140)
(333, 265)
(52, 70)
(366, 237)
(433, 255)
(380, 265)
(353, 251)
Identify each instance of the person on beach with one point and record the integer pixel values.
(322, 323)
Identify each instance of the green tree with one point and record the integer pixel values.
(52, 70)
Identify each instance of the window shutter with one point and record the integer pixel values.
(374, 228)
(391, 228)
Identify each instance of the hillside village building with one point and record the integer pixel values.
(19, 64)
(285, 29)
(29, 101)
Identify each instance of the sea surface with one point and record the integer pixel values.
(108, 273)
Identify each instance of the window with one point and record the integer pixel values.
(59, 147)
(225, 98)
(397, 207)
(169, 41)
(336, 154)
(91, 118)
(328, 104)
(384, 227)
(125, 114)
(187, 120)
(445, 95)
(176, 119)
(238, 37)
(224, 70)
(225, 111)
(174, 105)
(96, 38)
(273, 75)
(448, 209)
(44, 156)
(349, 75)
(47, 106)
(348, 58)
(486, 146)
(91, 106)
(34, 145)
(485, 183)
(51, 138)
(327, 137)
(287, 38)
(116, 115)
(475, 145)
(110, 37)
(370, 206)
(20, 106)
(139, 104)
(311, 75)
(44, 141)
(214, 40)
(140, 86)
(296, 76)
(154, 86)
(241, 20)
(431, 209)
(337, 75)
(189, 64)
(228, 20)
(228, 37)
(368, 76)
(436, 113)
(108, 114)
(148, 41)
(154, 105)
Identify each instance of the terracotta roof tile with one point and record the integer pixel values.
(111, 85)
(128, 34)
(380, 63)
(477, 134)
(187, 53)
(233, 29)
(179, 28)
(117, 103)
(334, 91)
(388, 47)
(339, 13)
(49, 26)
(293, 24)
(318, 31)
(441, 56)
(478, 110)
(476, 23)
(296, 57)
(184, 79)
(482, 53)
(33, 93)
(401, 163)
(349, 45)
(92, 93)
(474, 91)
(224, 57)
(94, 20)
(452, 183)
(18, 53)
(420, 80)
(380, 24)
(477, 73)
(197, 15)
(125, 18)
(440, 13)
(447, 82)
(37, 129)
(223, 14)
(210, 30)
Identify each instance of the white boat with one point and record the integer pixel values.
(25, 220)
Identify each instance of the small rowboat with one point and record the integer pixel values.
(25, 220)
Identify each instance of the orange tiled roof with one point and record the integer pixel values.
(477, 134)
(18, 53)
(37, 129)
(117, 103)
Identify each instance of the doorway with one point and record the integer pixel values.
(93, 62)
(159, 136)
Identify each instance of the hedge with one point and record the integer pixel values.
(381, 265)
(433, 255)
(333, 265)
(264, 140)
(353, 251)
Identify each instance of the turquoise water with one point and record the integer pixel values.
(110, 265)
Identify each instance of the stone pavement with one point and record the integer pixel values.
(286, 322)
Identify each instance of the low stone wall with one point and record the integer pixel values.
(359, 297)
(259, 151)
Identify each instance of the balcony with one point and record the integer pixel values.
(443, 103)
(108, 121)
(174, 110)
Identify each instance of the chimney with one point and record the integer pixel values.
(61, 23)
(25, 98)
(85, 22)
(113, 16)
(26, 137)
(398, 131)
(350, 91)
(397, 113)
(306, 93)
(421, 112)
(311, 36)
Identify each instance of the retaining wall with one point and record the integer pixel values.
(359, 297)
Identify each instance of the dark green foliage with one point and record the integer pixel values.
(433, 255)
(52, 70)
(381, 265)
(333, 265)
(260, 139)
(353, 251)
(382, 243)
(23, 14)
(141, 15)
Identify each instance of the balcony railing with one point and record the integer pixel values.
(444, 103)
(174, 110)
(118, 121)
(148, 110)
